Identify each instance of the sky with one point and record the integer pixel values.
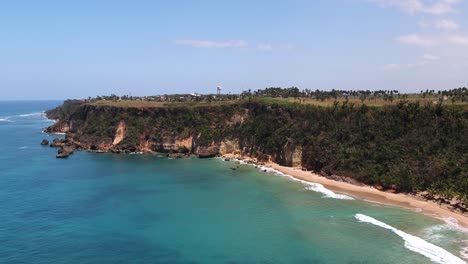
(75, 49)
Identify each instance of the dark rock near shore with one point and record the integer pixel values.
(453, 203)
(57, 142)
(178, 155)
(45, 142)
(63, 153)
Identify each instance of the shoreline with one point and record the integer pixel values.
(370, 194)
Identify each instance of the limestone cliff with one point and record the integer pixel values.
(204, 131)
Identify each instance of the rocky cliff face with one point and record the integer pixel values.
(203, 131)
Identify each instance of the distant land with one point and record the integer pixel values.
(396, 143)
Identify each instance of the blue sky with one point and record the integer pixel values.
(75, 49)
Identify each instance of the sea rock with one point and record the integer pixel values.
(45, 142)
(58, 142)
(62, 155)
(67, 150)
(64, 152)
(178, 155)
(379, 187)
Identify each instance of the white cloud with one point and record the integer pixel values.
(431, 41)
(461, 40)
(395, 66)
(416, 40)
(264, 47)
(430, 57)
(446, 24)
(425, 60)
(208, 44)
(434, 7)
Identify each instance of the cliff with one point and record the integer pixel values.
(405, 147)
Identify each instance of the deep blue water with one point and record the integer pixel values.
(104, 208)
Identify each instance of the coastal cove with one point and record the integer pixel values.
(120, 208)
(234, 132)
(369, 193)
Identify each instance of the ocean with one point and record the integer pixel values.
(110, 208)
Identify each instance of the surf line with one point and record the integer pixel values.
(416, 244)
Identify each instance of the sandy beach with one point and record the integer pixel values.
(369, 193)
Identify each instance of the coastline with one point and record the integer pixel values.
(370, 194)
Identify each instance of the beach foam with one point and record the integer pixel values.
(464, 250)
(33, 114)
(316, 187)
(453, 223)
(327, 193)
(438, 232)
(416, 244)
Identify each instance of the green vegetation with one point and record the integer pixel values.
(408, 143)
(156, 104)
(407, 146)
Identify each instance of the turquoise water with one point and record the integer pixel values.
(104, 208)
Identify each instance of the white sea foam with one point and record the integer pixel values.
(453, 223)
(437, 231)
(464, 250)
(5, 119)
(416, 244)
(32, 114)
(24, 147)
(316, 187)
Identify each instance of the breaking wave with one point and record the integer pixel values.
(33, 114)
(416, 244)
(464, 250)
(453, 223)
(5, 119)
(316, 187)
